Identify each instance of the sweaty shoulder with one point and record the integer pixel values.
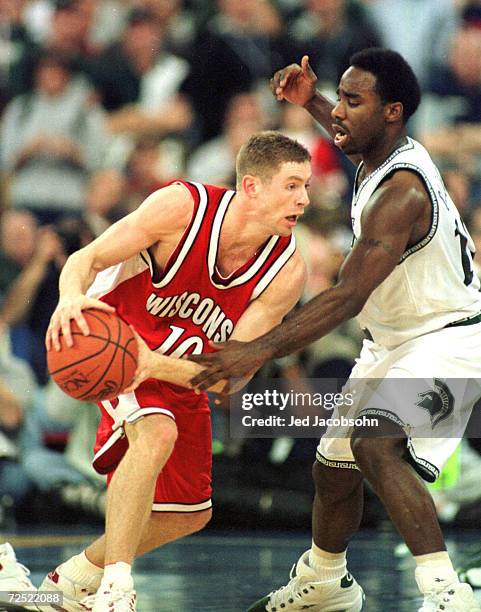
(407, 183)
(295, 269)
(400, 207)
(167, 210)
(402, 192)
(286, 288)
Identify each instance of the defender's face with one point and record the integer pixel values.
(359, 113)
(285, 197)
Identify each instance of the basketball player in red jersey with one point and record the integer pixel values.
(193, 263)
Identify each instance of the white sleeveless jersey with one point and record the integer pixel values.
(434, 282)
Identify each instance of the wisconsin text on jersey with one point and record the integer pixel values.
(202, 311)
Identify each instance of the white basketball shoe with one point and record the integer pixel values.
(304, 591)
(13, 575)
(456, 597)
(111, 599)
(74, 592)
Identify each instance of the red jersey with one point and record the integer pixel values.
(177, 310)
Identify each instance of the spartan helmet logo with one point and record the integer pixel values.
(439, 402)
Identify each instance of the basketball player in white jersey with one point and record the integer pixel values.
(409, 280)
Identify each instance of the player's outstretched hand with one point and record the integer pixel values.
(294, 83)
(234, 360)
(67, 310)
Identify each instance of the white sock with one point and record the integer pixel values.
(328, 566)
(118, 575)
(434, 572)
(80, 569)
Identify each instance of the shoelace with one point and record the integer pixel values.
(25, 571)
(438, 599)
(292, 591)
(124, 600)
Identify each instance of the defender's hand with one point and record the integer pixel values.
(67, 310)
(234, 359)
(296, 84)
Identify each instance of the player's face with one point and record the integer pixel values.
(359, 120)
(285, 197)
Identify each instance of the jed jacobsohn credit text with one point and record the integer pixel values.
(290, 404)
(277, 399)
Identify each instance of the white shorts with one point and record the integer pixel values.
(432, 407)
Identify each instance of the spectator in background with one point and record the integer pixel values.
(214, 161)
(140, 83)
(18, 230)
(32, 296)
(81, 419)
(26, 464)
(420, 30)
(70, 29)
(329, 32)
(67, 32)
(65, 475)
(105, 202)
(146, 172)
(459, 79)
(106, 20)
(18, 238)
(178, 22)
(237, 51)
(24, 298)
(453, 130)
(52, 139)
(112, 193)
(16, 396)
(140, 86)
(16, 46)
(36, 18)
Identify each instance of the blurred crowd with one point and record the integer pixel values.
(104, 101)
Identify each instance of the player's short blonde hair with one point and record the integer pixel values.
(264, 152)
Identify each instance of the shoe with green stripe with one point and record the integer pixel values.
(304, 591)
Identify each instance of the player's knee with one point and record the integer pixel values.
(372, 453)
(153, 437)
(320, 475)
(163, 439)
(364, 449)
(166, 435)
(334, 484)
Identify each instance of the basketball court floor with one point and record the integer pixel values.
(218, 571)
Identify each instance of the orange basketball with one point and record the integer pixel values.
(98, 366)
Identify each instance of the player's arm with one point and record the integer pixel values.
(262, 315)
(388, 222)
(270, 308)
(297, 84)
(163, 213)
(169, 369)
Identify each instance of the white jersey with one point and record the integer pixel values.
(434, 282)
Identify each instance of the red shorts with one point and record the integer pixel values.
(184, 485)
